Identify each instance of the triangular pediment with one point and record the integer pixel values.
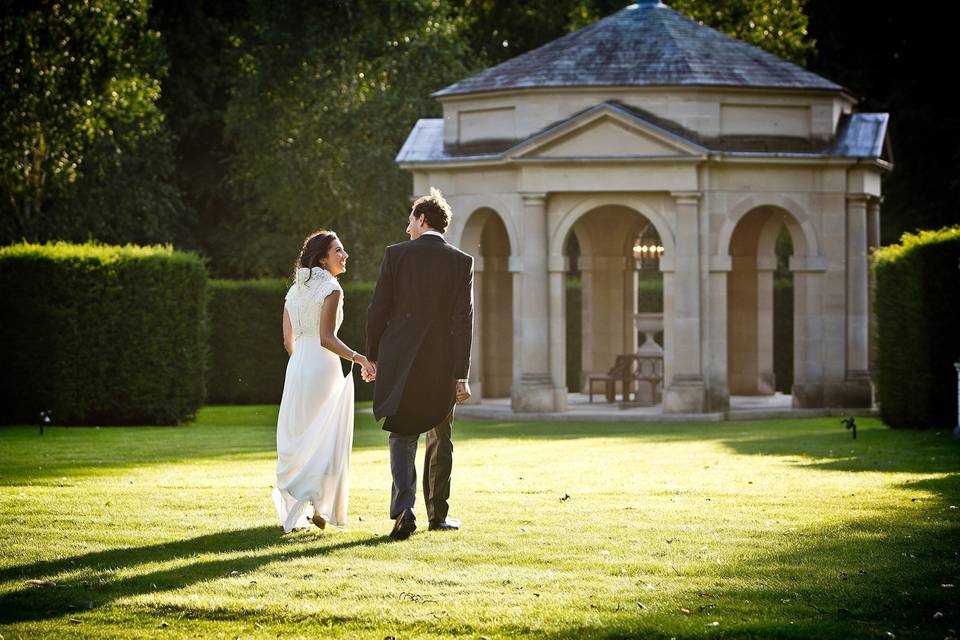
(606, 132)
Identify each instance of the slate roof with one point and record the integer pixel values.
(859, 135)
(645, 44)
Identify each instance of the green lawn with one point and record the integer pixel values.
(782, 529)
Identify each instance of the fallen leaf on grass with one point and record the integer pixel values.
(42, 583)
(164, 624)
(74, 621)
(641, 605)
(713, 624)
(686, 611)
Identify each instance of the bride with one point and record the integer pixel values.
(315, 425)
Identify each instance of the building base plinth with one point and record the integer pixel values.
(685, 395)
(535, 394)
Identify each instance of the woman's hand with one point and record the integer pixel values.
(369, 373)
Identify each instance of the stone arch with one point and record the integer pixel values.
(481, 205)
(801, 228)
(558, 234)
(485, 234)
(751, 339)
(605, 227)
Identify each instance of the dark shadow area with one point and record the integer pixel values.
(877, 448)
(39, 603)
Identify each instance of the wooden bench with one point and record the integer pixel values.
(622, 371)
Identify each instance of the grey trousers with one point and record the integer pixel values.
(437, 466)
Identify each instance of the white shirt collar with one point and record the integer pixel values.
(431, 233)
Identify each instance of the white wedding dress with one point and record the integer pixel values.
(315, 425)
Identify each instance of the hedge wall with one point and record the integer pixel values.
(101, 334)
(247, 358)
(916, 302)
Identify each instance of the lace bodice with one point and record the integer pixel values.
(305, 297)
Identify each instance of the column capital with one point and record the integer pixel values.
(533, 199)
(858, 198)
(767, 263)
(686, 197)
(811, 264)
(558, 263)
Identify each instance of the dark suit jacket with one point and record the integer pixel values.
(419, 331)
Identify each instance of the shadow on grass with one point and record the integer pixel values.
(73, 595)
(878, 448)
(890, 573)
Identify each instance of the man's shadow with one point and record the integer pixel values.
(82, 592)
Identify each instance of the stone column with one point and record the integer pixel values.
(558, 267)
(718, 389)
(604, 314)
(766, 380)
(856, 391)
(808, 331)
(873, 243)
(685, 391)
(476, 361)
(533, 389)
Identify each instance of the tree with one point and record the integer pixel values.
(498, 31)
(83, 147)
(325, 97)
(893, 61)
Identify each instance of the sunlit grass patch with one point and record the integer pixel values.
(783, 529)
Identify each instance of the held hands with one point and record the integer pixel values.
(463, 392)
(368, 370)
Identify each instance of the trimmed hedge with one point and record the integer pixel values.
(100, 334)
(916, 302)
(247, 358)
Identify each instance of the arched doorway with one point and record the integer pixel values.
(760, 304)
(485, 237)
(615, 292)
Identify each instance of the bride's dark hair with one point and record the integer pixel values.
(315, 248)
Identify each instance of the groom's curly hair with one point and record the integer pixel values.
(436, 209)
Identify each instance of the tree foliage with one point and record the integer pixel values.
(498, 31)
(325, 95)
(83, 146)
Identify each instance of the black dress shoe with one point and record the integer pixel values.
(444, 525)
(404, 526)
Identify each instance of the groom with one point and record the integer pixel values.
(419, 333)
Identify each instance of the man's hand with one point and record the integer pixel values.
(463, 392)
(368, 372)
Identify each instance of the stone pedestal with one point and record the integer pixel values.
(685, 395)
